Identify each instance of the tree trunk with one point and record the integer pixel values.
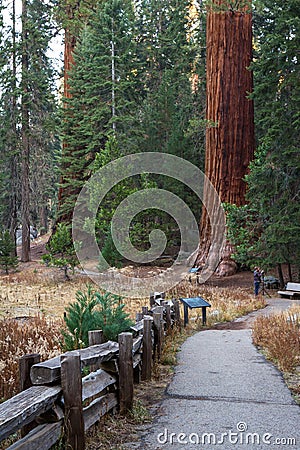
(25, 256)
(13, 222)
(229, 114)
(63, 192)
(280, 276)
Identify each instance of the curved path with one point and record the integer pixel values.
(225, 395)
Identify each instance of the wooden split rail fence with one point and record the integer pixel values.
(58, 404)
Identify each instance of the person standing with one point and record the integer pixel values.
(257, 279)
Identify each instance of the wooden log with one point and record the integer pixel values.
(42, 437)
(136, 328)
(147, 350)
(98, 408)
(138, 316)
(158, 309)
(25, 364)
(49, 371)
(137, 344)
(110, 366)
(137, 358)
(71, 383)
(125, 372)
(96, 382)
(95, 337)
(24, 407)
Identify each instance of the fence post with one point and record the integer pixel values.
(95, 337)
(157, 334)
(25, 364)
(168, 317)
(71, 383)
(177, 313)
(145, 310)
(147, 349)
(152, 302)
(125, 372)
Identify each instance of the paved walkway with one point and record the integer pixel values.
(225, 395)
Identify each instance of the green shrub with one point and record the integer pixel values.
(94, 311)
(8, 260)
(61, 252)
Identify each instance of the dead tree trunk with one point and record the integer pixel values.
(229, 112)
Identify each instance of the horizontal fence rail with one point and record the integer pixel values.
(58, 403)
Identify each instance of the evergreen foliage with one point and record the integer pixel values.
(41, 104)
(103, 91)
(94, 311)
(8, 260)
(61, 252)
(267, 230)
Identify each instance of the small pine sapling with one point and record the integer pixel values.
(110, 315)
(8, 260)
(93, 311)
(79, 319)
(61, 250)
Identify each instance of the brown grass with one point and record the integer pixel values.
(279, 337)
(21, 337)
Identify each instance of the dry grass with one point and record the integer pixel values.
(21, 337)
(226, 303)
(279, 338)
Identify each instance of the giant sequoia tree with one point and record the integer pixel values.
(229, 111)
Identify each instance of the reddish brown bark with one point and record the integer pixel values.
(229, 112)
(64, 192)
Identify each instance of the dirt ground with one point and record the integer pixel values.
(35, 288)
(38, 249)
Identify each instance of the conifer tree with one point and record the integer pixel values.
(273, 222)
(102, 102)
(7, 252)
(33, 88)
(61, 252)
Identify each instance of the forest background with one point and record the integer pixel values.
(137, 83)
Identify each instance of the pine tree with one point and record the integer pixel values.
(174, 76)
(274, 176)
(61, 250)
(8, 260)
(9, 133)
(102, 85)
(32, 90)
(94, 311)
